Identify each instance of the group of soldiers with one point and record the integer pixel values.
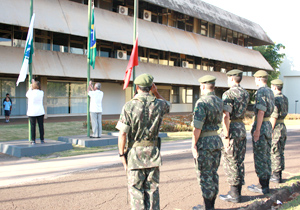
(141, 118)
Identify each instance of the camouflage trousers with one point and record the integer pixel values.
(233, 161)
(277, 150)
(262, 151)
(207, 164)
(143, 188)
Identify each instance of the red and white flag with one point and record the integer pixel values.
(133, 61)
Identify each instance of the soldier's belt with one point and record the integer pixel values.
(208, 133)
(142, 143)
(264, 120)
(279, 121)
(236, 120)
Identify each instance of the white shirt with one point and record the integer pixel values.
(96, 100)
(35, 102)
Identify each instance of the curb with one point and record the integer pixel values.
(281, 195)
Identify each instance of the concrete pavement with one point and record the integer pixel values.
(27, 169)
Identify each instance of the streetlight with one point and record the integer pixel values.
(296, 106)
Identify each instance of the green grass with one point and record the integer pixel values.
(292, 205)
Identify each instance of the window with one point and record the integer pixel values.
(217, 32)
(163, 58)
(5, 35)
(153, 56)
(77, 45)
(229, 36)
(106, 49)
(143, 54)
(60, 42)
(189, 24)
(20, 34)
(211, 28)
(174, 59)
(224, 34)
(42, 40)
(57, 98)
(241, 39)
(175, 95)
(235, 37)
(189, 95)
(204, 28)
(165, 93)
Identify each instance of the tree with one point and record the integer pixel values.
(272, 55)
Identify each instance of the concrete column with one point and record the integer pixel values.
(44, 81)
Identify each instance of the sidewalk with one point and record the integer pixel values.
(26, 169)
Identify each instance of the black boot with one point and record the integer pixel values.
(240, 189)
(209, 204)
(233, 195)
(265, 185)
(276, 177)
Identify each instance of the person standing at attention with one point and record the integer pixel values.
(206, 143)
(235, 101)
(262, 133)
(35, 110)
(140, 120)
(96, 96)
(279, 130)
(7, 109)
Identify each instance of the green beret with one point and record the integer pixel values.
(207, 79)
(144, 80)
(261, 73)
(277, 82)
(234, 72)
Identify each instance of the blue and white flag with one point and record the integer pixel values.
(28, 51)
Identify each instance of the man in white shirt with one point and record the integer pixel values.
(96, 96)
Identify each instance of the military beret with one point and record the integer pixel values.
(234, 72)
(261, 73)
(207, 79)
(144, 80)
(277, 82)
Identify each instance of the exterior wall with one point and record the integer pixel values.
(291, 91)
(113, 99)
(181, 108)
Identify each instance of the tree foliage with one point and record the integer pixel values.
(272, 55)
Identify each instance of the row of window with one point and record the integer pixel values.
(175, 19)
(44, 40)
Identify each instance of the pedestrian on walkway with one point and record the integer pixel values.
(140, 120)
(7, 109)
(279, 130)
(262, 132)
(96, 96)
(206, 143)
(35, 110)
(235, 101)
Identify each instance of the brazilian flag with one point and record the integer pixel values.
(93, 50)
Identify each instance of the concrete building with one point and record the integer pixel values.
(179, 41)
(291, 78)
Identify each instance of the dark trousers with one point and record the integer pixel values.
(40, 120)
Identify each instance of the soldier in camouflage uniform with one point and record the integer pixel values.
(206, 143)
(279, 131)
(235, 102)
(262, 132)
(140, 120)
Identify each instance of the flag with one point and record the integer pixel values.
(133, 61)
(93, 50)
(28, 51)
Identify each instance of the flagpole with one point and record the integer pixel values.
(134, 38)
(88, 67)
(30, 68)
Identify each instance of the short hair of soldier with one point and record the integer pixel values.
(237, 78)
(210, 86)
(264, 79)
(98, 86)
(36, 85)
(279, 87)
(145, 89)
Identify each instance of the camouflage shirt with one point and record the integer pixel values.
(281, 107)
(208, 112)
(264, 100)
(235, 101)
(141, 118)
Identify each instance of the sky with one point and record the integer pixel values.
(279, 19)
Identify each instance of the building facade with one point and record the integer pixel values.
(179, 41)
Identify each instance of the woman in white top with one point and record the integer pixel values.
(35, 110)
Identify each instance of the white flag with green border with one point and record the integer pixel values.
(28, 51)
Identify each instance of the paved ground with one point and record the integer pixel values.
(104, 187)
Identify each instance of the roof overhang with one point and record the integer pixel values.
(57, 64)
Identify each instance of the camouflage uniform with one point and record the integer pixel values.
(264, 100)
(279, 133)
(235, 101)
(140, 119)
(207, 115)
